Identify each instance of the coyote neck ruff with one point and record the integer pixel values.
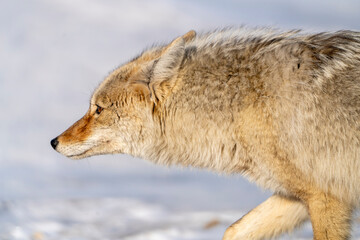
(282, 108)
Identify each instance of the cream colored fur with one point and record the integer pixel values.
(281, 108)
(276, 215)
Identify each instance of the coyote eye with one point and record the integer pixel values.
(99, 110)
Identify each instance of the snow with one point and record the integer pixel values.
(115, 218)
(53, 55)
(110, 218)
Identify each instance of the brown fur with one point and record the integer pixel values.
(282, 108)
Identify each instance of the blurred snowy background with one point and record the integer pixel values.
(53, 54)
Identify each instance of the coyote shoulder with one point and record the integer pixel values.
(281, 108)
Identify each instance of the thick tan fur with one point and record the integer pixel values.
(281, 108)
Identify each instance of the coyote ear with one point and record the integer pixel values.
(167, 66)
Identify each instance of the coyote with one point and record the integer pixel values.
(281, 108)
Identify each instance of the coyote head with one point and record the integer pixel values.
(121, 118)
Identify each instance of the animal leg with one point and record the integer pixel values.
(330, 218)
(276, 215)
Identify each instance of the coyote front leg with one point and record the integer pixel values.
(276, 215)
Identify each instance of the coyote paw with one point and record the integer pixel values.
(230, 233)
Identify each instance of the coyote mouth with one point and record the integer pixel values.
(73, 154)
(89, 152)
(84, 154)
(78, 156)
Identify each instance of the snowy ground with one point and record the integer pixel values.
(112, 218)
(109, 218)
(52, 55)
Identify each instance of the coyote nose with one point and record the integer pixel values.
(54, 143)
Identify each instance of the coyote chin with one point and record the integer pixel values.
(281, 108)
